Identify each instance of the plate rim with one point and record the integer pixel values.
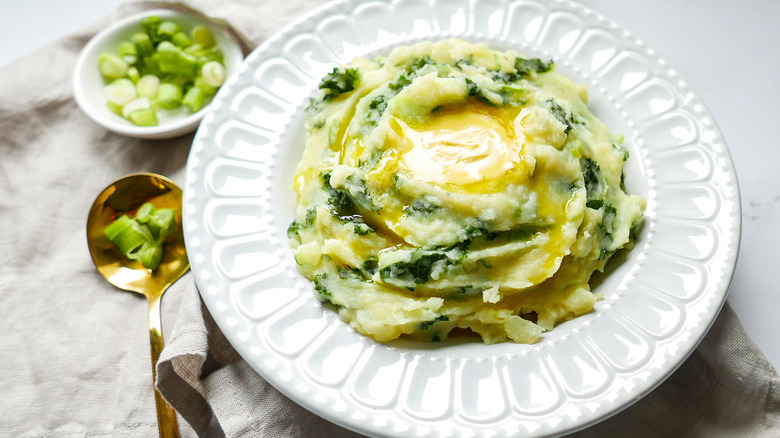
(332, 7)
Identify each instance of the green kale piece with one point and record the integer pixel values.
(339, 199)
(464, 61)
(497, 94)
(425, 325)
(526, 67)
(607, 226)
(419, 63)
(362, 229)
(422, 206)
(623, 151)
(476, 91)
(298, 224)
(373, 160)
(473, 232)
(357, 189)
(371, 265)
(523, 69)
(561, 115)
(346, 201)
(353, 274)
(339, 81)
(399, 84)
(378, 104)
(595, 184)
(320, 287)
(376, 108)
(416, 271)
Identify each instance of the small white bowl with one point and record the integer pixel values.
(88, 85)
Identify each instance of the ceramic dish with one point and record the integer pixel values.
(659, 299)
(88, 84)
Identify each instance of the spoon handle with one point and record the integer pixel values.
(166, 416)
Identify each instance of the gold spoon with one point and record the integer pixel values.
(124, 196)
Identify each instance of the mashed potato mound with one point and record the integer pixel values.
(449, 185)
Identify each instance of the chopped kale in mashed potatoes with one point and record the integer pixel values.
(448, 185)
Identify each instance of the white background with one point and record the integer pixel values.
(726, 49)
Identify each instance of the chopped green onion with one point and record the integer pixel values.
(150, 26)
(181, 40)
(175, 60)
(203, 36)
(116, 109)
(121, 92)
(142, 103)
(162, 222)
(144, 117)
(169, 96)
(127, 234)
(142, 238)
(194, 99)
(147, 86)
(111, 66)
(150, 255)
(145, 212)
(143, 44)
(208, 89)
(214, 74)
(133, 74)
(151, 65)
(168, 66)
(212, 54)
(195, 49)
(116, 228)
(178, 80)
(167, 30)
(128, 52)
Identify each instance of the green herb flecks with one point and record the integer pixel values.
(527, 67)
(564, 117)
(419, 63)
(338, 82)
(339, 199)
(595, 183)
(298, 224)
(355, 194)
(320, 287)
(378, 104)
(371, 266)
(423, 206)
(607, 227)
(524, 68)
(425, 325)
(417, 270)
(478, 92)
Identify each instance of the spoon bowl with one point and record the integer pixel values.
(125, 196)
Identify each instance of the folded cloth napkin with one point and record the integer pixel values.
(726, 388)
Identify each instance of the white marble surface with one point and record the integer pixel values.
(724, 48)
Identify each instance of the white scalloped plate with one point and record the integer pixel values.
(659, 299)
